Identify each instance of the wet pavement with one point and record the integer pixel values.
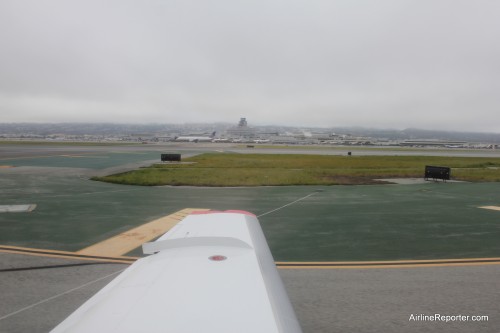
(331, 223)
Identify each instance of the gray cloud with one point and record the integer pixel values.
(427, 64)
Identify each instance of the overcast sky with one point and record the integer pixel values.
(432, 64)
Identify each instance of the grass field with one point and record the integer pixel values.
(275, 170)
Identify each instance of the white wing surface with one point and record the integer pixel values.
(212, 272)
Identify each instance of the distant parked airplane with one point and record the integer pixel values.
(195, 138)
(221, 140)
(213, 272)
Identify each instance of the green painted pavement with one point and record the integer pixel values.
(377, 222)
(90, 160)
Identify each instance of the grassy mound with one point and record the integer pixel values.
(267, 169)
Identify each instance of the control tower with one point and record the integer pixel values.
(242, 130)
(243, 122)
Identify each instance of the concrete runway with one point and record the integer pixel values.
(29, 150)
(35, 297)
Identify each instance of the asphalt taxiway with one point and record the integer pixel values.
(39, 292)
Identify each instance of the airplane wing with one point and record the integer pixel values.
(212, 272)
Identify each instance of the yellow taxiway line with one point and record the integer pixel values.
(64, 254)
(388, 264)
(279, 264)
(133, 238)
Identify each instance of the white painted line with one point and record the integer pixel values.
(288, 204)
(17, 208)
(59, 295)
(491, 207)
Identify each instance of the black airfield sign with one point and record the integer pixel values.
(170, 157)
(437, 172)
